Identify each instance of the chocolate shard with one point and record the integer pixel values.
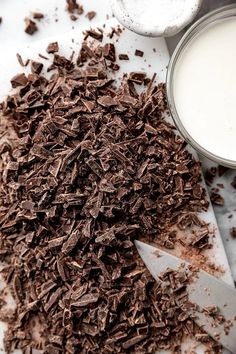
(132, 341)
(107, 101)
(109, 51)
(38, 15)
(74, 7)
(36, 67)
(139, 53)
(90, 15)
(86, 300)
(71, 242)
(217, 199)
(19, 80)
(123, 57)
(52, 48)
(30, 26)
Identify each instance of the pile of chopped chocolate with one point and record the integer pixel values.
(93, 166)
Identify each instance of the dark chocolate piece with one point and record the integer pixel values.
(38, 15)
(74, 7)
(30, 26)
(217, 199)
(123, 57)
(233, 232)
(19, 80)
(139, 53)
(36, 67)
(52, 48)
(20, 60)
(109, 51)
(90, 15)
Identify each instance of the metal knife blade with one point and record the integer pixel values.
(204, 291)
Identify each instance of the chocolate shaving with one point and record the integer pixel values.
(74, 7)
(20, 60)
(36, 67)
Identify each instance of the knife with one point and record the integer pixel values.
(204, 290)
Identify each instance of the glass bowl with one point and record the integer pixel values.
(221, 14)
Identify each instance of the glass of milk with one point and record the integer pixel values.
(201, 86)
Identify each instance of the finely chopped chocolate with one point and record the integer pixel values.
(93, 167)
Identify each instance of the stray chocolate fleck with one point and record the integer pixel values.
(216, 199)
(36, 67)
(52, 48)
(19, 80)
(30, 26)
(139, 53)
(233, 232)
(38, 15)
(90, 15)
(123, 57)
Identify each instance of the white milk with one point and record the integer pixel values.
(204, 88)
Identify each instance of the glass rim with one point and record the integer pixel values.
(221, 13)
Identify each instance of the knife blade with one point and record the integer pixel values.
(205, 291)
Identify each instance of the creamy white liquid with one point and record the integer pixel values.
(204, 89)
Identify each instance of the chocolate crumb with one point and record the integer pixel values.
(20, 60)
(36, 67)
(233, 183)
(217, 199)
(30, 26)
(210, 175)
(52, 47)
(233, 232)
(73, 17)
(123, 57)
(139, 53)
(90, 15)
(38, 15)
